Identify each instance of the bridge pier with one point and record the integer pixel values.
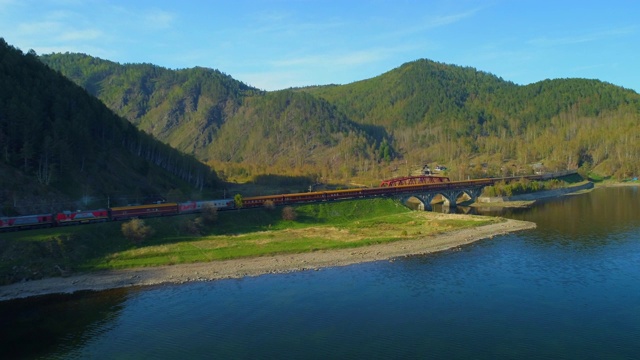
(425, 199)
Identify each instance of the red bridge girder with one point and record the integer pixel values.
(414, 180)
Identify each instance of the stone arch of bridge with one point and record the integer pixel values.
(450, 197)
(470, 195)
(424, 200)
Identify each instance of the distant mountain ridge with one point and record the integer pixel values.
(420, 112)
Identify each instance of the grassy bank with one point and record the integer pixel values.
(236, 234)
(525, 186)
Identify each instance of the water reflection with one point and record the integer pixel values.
(41, 325)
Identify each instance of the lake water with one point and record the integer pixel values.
(569, 289)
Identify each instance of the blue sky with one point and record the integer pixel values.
(282, 43)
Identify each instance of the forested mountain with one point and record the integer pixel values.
(298, 134)
(58, 143)
(183, 108)
(238, 129)
(421, 112)
(445, 113)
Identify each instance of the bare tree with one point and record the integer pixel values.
(136, 230)
(209, 214)
(269, 205)
(289, 213)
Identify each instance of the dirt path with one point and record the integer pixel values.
(257, 266)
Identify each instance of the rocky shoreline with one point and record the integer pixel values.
(176, 274)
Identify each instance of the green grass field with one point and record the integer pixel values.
(236, 234)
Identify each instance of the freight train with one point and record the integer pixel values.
(168, 209)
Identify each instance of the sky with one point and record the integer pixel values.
(277, 44)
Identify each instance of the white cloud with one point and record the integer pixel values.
(432, 22)
(7, 3)
(346, 59)
(159, 19)
(58, 31)
(445, 20)
(77, 35)
(271, 22)
(582, 38)
(38, 28)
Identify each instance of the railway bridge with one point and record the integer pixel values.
(449, 195)
(438, 189)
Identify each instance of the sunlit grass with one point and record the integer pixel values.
(236, 234)
(381, 229)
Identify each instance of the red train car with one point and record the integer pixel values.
(414, 180)
(26, 222)
(128, 212)
(81, 217)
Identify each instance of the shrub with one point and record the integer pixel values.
(193, 227)
(136, 231)
(490, 191)
(269, 205)
(209, 214)
(288, 213)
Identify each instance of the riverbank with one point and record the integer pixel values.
(237, 268)
(529, 199)
(606, 184)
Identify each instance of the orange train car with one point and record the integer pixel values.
(152, 210)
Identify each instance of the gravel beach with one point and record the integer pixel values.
(257, 266)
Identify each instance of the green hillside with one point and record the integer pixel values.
(296, 133)
(422, 112)
(238, 129)
(442, 113)
(61, 148)
(183, 108)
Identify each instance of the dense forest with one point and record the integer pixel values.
(479, 122)
(60, 147)
(239, 130)
(183, 108)
(296, 133)
(422, 112)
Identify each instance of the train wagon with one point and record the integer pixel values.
(257, 201)
(26, 222)
(128, 212)
(414, 180)
(198, 206)
(304, 197)
(81, 217)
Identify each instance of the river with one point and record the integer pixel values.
(569, 289)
